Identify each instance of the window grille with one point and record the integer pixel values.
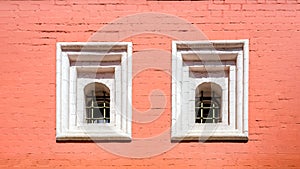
(98, 108)
(207, 109)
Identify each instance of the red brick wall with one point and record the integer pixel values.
(30, 29)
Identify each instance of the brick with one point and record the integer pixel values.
(281, 1)
(28, 7)
(218, 7)
(235, 7)
(218, 1)
(5, 6)
(261, 1)
(235, 1)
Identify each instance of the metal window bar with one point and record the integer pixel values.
(207, 109)
(98, 110)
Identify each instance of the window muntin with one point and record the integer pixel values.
(207, 110)
(97, 98)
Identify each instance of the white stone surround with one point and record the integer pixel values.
(81, 63)
(225, 63)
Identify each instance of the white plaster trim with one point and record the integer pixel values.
(232, 54)
(69, 119)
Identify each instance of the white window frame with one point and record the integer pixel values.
(229, 56)
(93, 59)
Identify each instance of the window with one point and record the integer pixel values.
(207, 103)
(210, 90)
(94, 91)
(97, 101)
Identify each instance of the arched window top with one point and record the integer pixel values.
(97, 101)
(209, 88)
(97, 88)
(208, 103)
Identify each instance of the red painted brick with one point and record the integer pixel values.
(236, 7)
(235, 1)
(28, 7)
(30, 30)
(218, 7)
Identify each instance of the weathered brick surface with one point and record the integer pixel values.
(30, 29)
